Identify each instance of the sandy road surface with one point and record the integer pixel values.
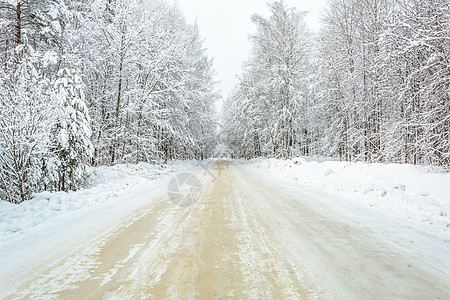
(245, 237)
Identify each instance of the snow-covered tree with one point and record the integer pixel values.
(147, 83)
(378, 91)
(416, 56)
(70, 136)
(42, 22)
(273, 94)
(149, 90)
(25, 118)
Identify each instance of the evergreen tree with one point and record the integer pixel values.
(71, 134)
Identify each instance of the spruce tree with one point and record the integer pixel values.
(71, 133)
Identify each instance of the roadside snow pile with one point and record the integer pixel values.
(5, 207)
(418, 193)
(104, 184)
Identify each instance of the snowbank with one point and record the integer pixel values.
(103, 184)
(417, 193)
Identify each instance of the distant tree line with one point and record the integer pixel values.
(98, 82)
(373, 85)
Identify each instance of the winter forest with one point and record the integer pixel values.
(102, 82)
(373, 85)
(98, 83)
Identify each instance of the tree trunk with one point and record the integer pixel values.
(19, 23)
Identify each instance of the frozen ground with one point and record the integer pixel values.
(105, 185)
(254, 232)
(419, 194)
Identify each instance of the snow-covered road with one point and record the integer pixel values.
(248, 236)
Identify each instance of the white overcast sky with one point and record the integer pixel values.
(225, 26)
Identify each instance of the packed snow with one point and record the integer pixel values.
(420, 194)
(417, 193)
(103, 184)
(268, 203)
